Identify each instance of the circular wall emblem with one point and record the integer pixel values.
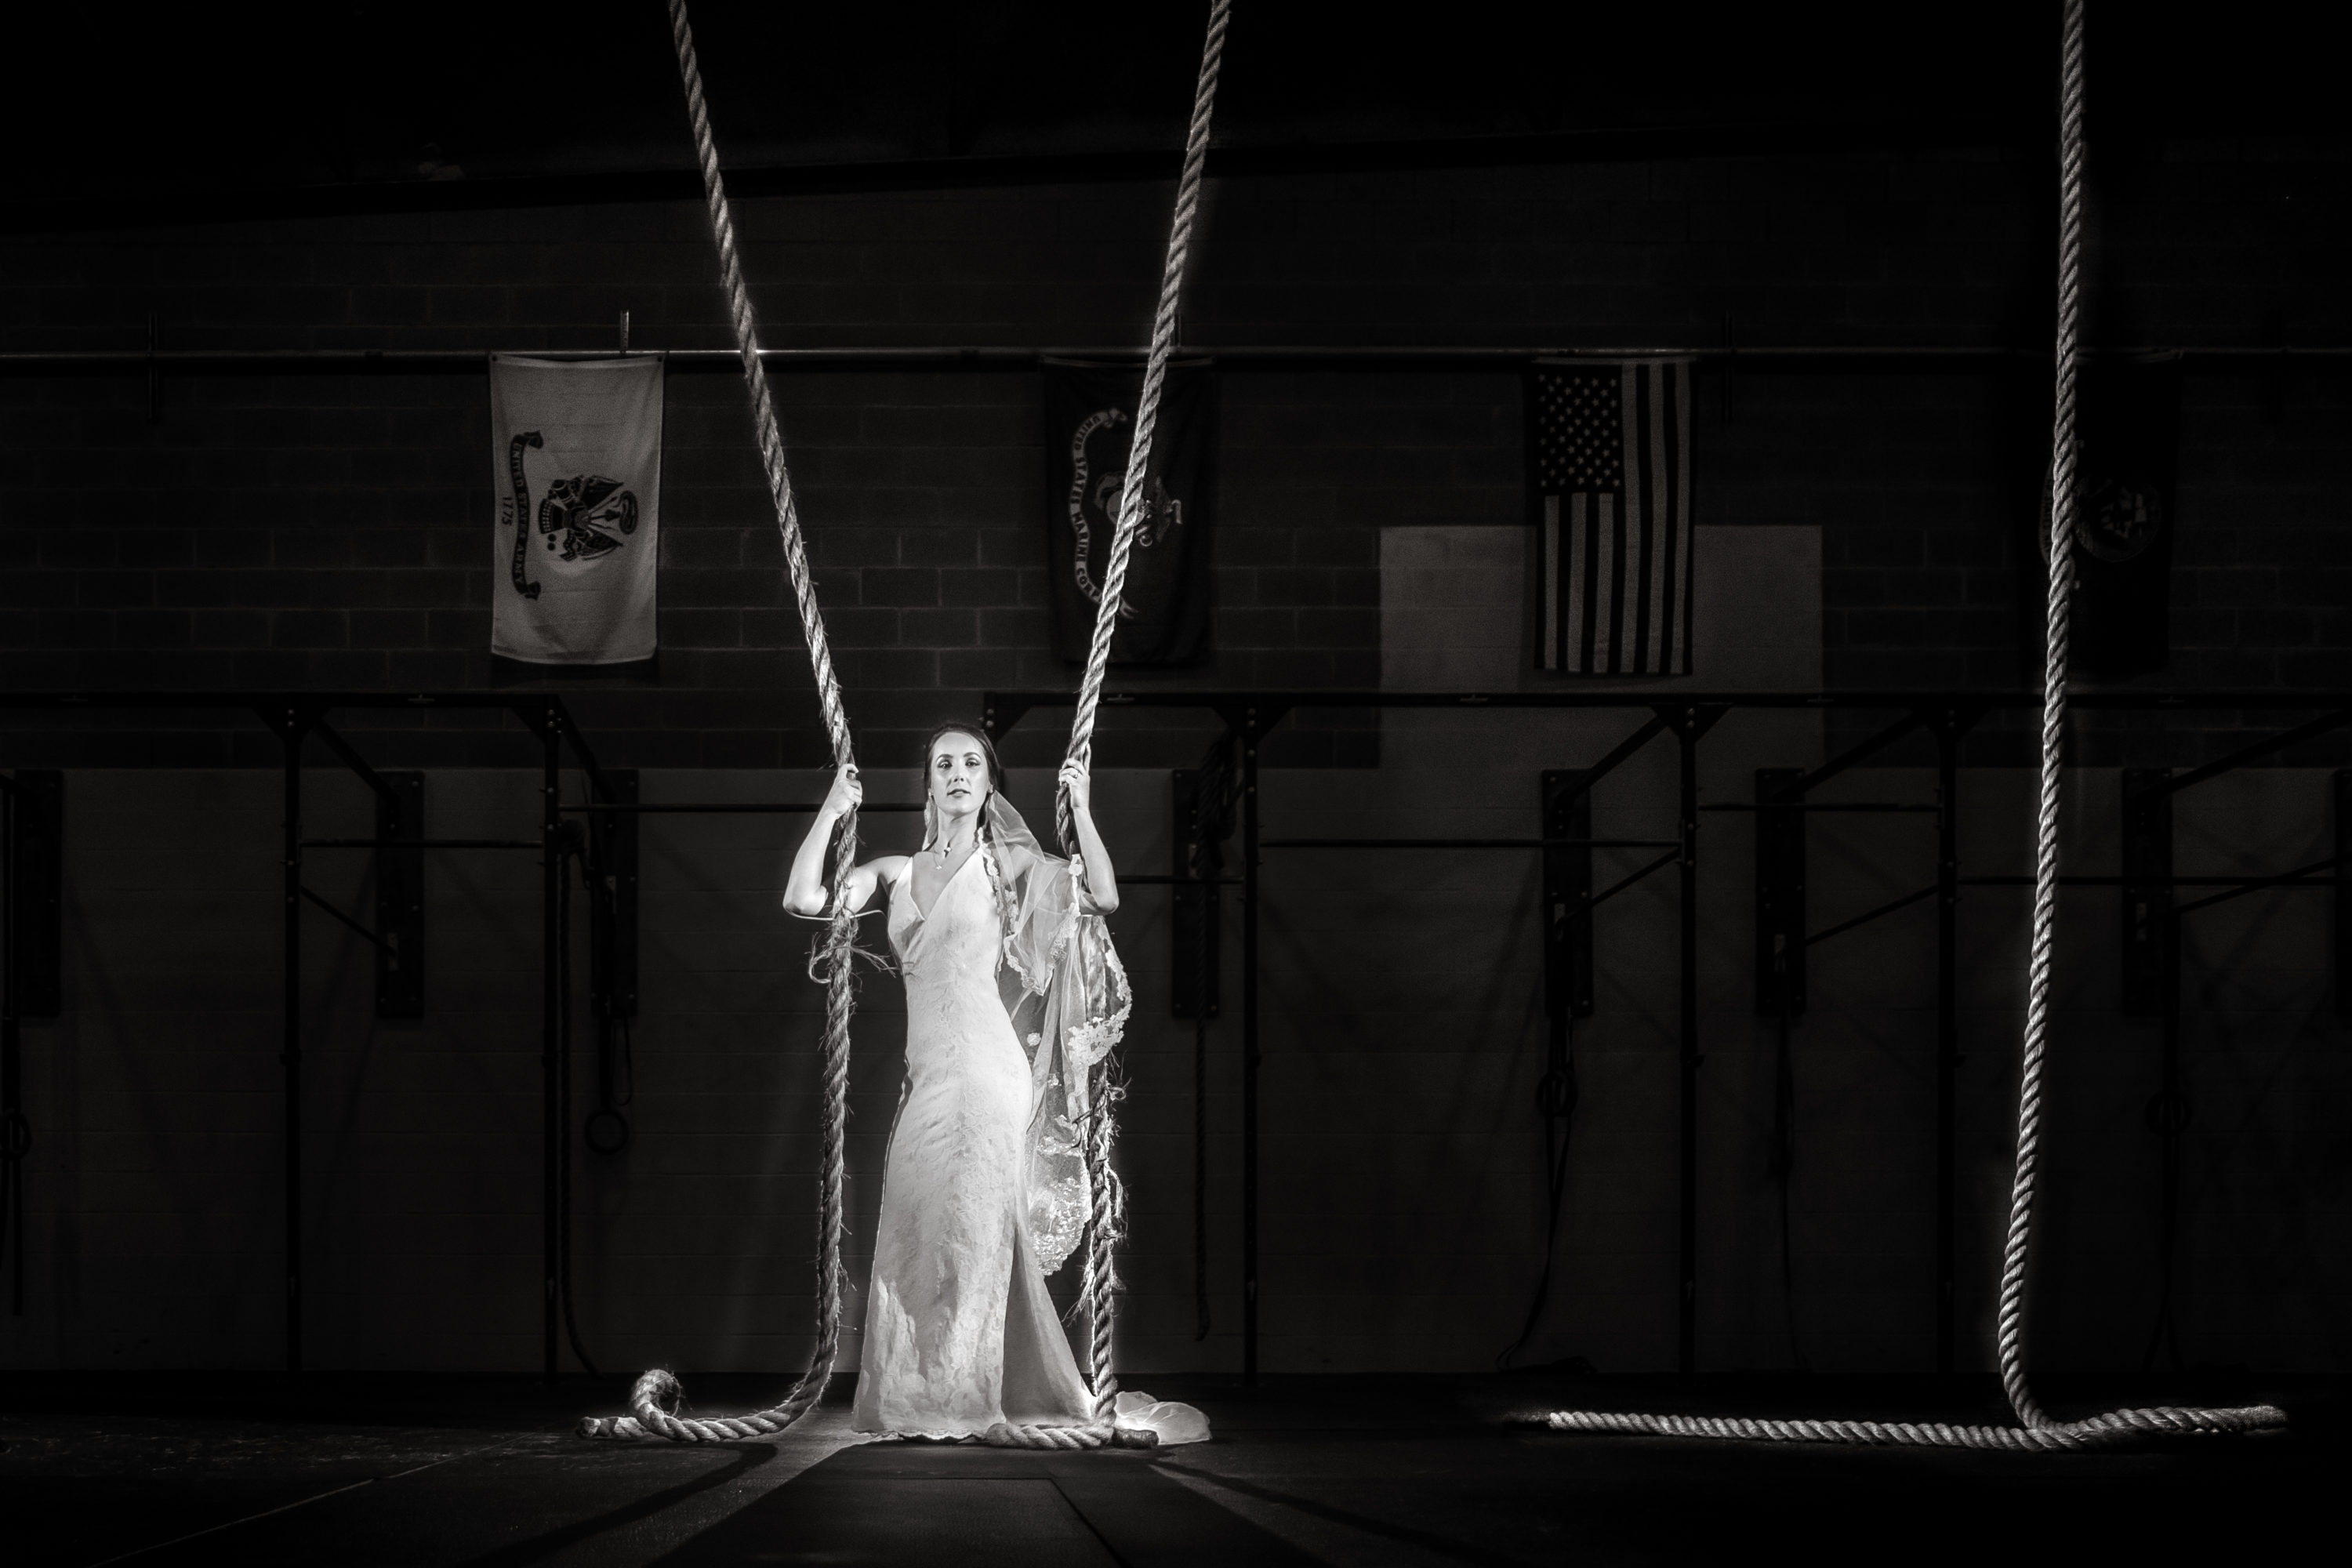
(2119, 519)
(2116, 519)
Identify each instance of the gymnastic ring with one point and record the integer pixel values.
(1556, 1094)
(2168, 1113)
(606, 1131)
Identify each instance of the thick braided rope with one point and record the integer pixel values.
(1132, 499)
(1107, 1226)
(653, 1401)
(2035, 1429)
(1106, 1223)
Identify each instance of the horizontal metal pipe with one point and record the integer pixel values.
(2245, 754)
(2272, 699)
(717, 809)
(2283, 881)
(422, 844)
(1823, 806)
(1125, 881)
(1469, 843)
(1473, 357)
(2122, 701)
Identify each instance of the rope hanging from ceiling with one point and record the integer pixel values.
(2035, 1429)
(654, 1399)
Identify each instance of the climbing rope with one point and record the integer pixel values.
(1146, 408)
(653, 1400)
(1106, 1221)
(2035, 1429)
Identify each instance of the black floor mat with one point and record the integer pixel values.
(976, 1508)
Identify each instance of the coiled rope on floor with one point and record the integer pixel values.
(1107, 1219)
(2035, 1430)
(653, 1400)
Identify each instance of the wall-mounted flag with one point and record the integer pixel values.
(575, 463)
(1089, 427)
(1608, 490)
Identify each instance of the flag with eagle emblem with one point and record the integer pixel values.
(575, 462)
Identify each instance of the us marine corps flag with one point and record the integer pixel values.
(1089, 427)
(575, 463)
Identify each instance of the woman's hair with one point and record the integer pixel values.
(996, 885)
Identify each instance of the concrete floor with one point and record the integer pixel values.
(422, 1471)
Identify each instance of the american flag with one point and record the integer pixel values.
(1609, 453)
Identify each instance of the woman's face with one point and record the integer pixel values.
(958, 776)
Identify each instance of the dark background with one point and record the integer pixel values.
(501, 177)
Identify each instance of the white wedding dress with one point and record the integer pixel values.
(959, 1331)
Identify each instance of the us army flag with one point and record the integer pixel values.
(575, 461)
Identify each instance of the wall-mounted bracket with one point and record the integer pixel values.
(400, 897)
(2146, 902)
(35, 851)
(1566, 807)
(1780, 892)
(2343, 781)
(612, 910)
(1199, 819)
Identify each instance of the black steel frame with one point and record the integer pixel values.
(1248, 717)
(1946, 717)
(296, 718)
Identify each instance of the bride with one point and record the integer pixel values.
(1013, 994)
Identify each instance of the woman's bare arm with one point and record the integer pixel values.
(804, 890)
(1102, 878)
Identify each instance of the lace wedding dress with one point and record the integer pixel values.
(982, 1190)
(960, 1333)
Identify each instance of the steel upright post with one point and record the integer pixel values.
(1686, 1329)
(12, 1063)
(1948, 1031)
(1250, 1058)
(551, 1004)
(289, 1055)
(2168, 1114)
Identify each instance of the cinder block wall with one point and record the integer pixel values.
(326, 531)
(284, 529)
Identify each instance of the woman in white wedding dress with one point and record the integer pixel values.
(1012, 993)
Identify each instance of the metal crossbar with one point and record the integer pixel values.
(1468, 844)
(1947, 715)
